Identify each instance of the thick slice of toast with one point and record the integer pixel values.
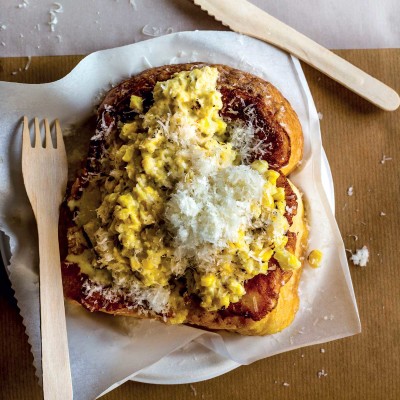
(271, 299)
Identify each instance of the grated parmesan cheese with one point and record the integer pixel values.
(197, 211)
(55, 9)
(28, 63)
(350, 191)
(155, 31)
(384, 159)
(243, 136)
(155, 298)
(24, 4)
(360, 257)
(322, 374)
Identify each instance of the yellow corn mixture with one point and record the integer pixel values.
(180, 140)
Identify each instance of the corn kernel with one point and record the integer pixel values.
(267, 200)
(272, 177)
(227, 268)
(129, 130)
(281, 206)
(148, 164)
(315, 258)
(135, 264)
(287, 260)
(208, 280)
(223, 301)
(266, 254)
(235, 287)
(125, 200)
(280, 194)
(260, 165)
(128, 154)
(136, 104)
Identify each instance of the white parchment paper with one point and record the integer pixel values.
(105, 350)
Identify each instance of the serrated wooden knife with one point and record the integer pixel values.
(244, 17)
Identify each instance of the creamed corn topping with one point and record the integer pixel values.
(178, 210)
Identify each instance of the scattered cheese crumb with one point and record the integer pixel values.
(146, 62)
(153, 298)
(56, 9)
(28, 63)
(322, 351)
(24, 4)
(155, 31)
(360, 257)
(285, 384)
(3, 27)
(320, 116)
(322, 373)
(301, 331)
(289, 210)
(350, 191)
(384, 159)
(382, 214)
(193, 389)
(243, 136)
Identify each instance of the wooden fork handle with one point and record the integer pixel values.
(57, 383)
(244, 17)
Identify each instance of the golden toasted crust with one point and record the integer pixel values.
(271, 300)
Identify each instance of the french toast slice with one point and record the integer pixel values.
(271, 300)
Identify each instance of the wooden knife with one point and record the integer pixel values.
(243, 17)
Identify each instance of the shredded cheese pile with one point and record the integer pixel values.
(212, 209)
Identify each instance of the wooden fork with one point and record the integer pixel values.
(45, 177)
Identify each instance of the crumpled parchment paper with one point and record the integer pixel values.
(105, 350)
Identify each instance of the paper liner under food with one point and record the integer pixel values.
(105, 351)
